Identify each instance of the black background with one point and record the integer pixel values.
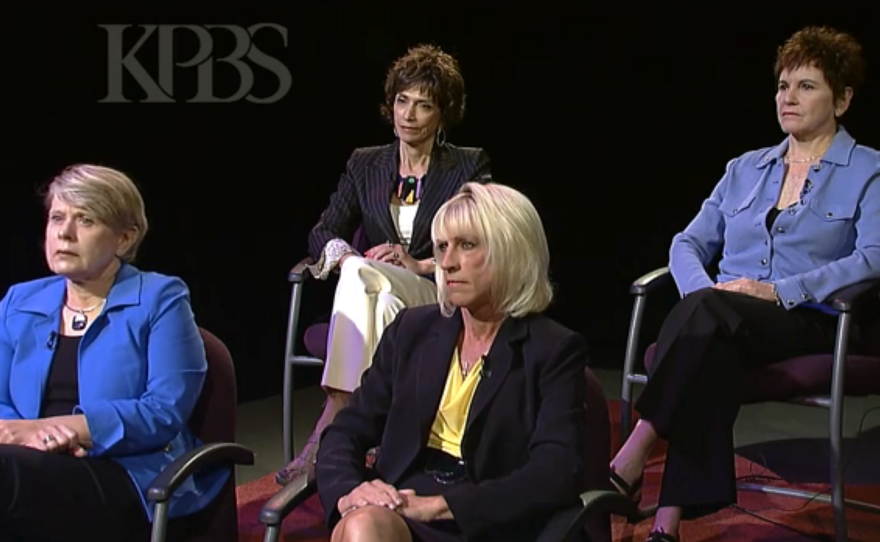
(616, 120)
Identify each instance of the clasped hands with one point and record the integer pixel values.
(42, 435)
(404, 501)
(754, 288)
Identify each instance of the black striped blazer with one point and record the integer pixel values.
(363, 197)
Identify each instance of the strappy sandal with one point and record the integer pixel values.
(631, 491)
(304, 463)
(660, 536)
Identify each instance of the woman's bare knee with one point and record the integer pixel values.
(371, 523)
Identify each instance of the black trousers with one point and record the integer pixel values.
(49, 496)
(694, 389)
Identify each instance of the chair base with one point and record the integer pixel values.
(807, 495)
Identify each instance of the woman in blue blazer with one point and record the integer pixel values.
(100, 368)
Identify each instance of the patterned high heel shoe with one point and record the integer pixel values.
(304, 463)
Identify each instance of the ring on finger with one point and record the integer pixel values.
(48, 438)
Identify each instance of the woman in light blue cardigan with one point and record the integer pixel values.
(100, 368)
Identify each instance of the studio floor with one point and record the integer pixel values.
(766, 433)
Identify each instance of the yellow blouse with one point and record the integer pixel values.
(449, 424)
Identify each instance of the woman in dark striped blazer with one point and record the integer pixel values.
(391, 192)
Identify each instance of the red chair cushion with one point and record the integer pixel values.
(315, 340)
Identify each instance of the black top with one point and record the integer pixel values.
(62, 387)
(771, 217)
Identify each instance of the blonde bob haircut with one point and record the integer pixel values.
(107, 195)
(517, 256)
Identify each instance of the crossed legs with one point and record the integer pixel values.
(693, 394)
(368, 297)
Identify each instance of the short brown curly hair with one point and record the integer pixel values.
(837, 54)
(434, 72)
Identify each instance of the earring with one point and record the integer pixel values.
(395, 131)
(441, 137)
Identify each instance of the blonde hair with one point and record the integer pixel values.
(107, 194)
(517, 256)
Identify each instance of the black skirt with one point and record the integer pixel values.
(433, 531)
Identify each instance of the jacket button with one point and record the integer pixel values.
(763, 261)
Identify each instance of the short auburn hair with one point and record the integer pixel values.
(836, 54)
(432, 71)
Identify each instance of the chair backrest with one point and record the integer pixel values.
(213, 419)
(870, 330)
(598, 459)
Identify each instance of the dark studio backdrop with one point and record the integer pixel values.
(616, 124)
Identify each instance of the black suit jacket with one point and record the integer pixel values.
(363, 196)
(525, 440)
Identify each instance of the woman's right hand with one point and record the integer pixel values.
(18, 431)
(375, 492)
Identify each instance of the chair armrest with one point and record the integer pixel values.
(593, 503)
(281, 504)
(651, 281)
(207, 455)
(846, 299)
(300, 272)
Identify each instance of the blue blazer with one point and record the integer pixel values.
(141, 368)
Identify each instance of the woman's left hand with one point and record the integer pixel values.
(754, 288)
(57, 438)
(424, 509)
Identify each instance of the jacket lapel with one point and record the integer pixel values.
(496, 365)
(382, 176)
(432, 366)
(27, 381)
(46, 308)
(439, 180)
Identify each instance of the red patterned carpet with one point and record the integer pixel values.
(785, 519)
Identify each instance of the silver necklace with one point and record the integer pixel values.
(466, 367)
(80, 320)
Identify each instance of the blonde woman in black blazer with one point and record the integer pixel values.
(477, 403)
